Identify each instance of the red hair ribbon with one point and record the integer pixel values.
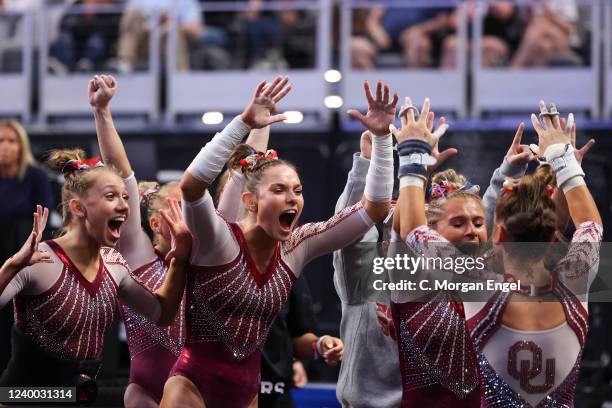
(82, 165)
(249, 162)
(442, 190)
(510, 184)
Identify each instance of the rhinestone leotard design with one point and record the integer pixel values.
(71, 317)
(143, 334)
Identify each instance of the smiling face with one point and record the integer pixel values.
(10, 148)
(463, 223)
(103, 208)
(278, 202)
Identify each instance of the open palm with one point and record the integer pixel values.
(381, 111)
(29, 254)
(259, 112)
(181, 237)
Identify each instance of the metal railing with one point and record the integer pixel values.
(446, 87)
(65, 95)
(518, 89)
(191, 93)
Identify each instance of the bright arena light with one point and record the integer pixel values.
(212, 118)
(333, 101)
(294, 117)
(333, 75)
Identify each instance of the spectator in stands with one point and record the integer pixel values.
(550, 36)
(262, 37)
(416, 33)
(502, 29)
(298, 29)
(22, 185)
(85, 37)
(138, 20)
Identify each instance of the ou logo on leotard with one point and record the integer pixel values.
(528, 370)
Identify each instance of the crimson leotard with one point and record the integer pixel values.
(230, 304)
(516, 368)
(65, 315)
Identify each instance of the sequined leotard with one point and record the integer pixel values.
(153, 349)
(230, 304)
(62, 313)
(538, 368)
(519, 368)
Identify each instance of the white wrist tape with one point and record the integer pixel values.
(411, 181)
(379, 180)
(573, 183)
(563, 161)
(423, 159)
(210, 161)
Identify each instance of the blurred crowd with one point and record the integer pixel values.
(545, 33)
(91, 35)
(88, 35)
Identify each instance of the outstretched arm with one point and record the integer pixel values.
(134, 243)
(101, 90)
(258, 114)
(415, 143)
(379, 180)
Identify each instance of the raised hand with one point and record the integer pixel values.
(332, 350)
(181, 237)
(100, 90)
(365, 145)
(381, 111)
(519, 154)
(259, 112)
(29, 254)
(550, 131)
(420, 129)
